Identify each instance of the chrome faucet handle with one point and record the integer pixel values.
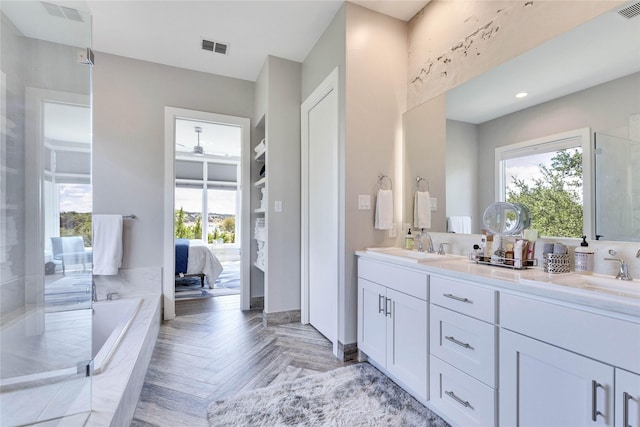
(94, 293)
(623, 273)
(441, 250)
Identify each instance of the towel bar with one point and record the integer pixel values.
(384, 182)
(422, 184)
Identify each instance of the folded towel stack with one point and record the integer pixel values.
(459, 224)
(260, 147)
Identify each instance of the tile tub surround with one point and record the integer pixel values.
(117, 388)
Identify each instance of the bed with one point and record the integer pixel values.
(194, 258)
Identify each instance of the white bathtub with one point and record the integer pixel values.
(111, 319)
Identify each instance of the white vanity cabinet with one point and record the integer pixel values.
(627, 399)
(463, 346)
(562, 366)
(392, 322)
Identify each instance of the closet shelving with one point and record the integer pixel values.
(260, 231)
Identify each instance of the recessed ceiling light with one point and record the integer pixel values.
(521, 94)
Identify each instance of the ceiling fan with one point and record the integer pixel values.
(197, 149)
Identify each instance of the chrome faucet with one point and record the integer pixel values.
(424, 235)
(441, 250)
(623, 273)
(94, 294)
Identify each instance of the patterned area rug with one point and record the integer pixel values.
(357, 395)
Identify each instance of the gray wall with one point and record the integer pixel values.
(462, 171)
(605, 107)
(128, 139)
(372, 99)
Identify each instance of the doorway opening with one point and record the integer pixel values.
(207, 202)
(205, 224)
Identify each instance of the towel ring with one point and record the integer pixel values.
(422, 184)
(384, 182)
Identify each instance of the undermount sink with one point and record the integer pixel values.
(412, 255)
(606, 284)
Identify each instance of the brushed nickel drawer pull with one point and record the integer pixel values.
(452, 395)
(387, 307)
(594, 400)
(380, 302)
(460, 343)
(625, 409)
(457, 298)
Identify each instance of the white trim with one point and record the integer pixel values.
(168, 272)
(328, 85)
(548, 143)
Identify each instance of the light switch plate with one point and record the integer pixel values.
(434, 203)
(364, 202)
(277, 206)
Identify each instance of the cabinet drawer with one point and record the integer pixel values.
(464, 342)
(403, 280)
(604, 338)
(464, 298)
(465, 400)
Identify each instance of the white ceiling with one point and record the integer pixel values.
(170, 32)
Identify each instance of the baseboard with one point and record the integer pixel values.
(256, 303)
(280, 317)
(348, 352)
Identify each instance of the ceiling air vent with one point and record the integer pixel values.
(62, 11)
(216, 47)
(630, 11)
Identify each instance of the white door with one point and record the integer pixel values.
(543, 385)
(320, 209)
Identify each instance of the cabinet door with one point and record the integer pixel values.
(407, 341)
(372, 320)
(627, 399)
(543, 385)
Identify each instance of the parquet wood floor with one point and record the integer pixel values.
(212, 350)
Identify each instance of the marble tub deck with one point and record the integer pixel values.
(116, 390)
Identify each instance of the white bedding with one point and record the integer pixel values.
(202, 260)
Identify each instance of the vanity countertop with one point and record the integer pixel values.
(596, 291)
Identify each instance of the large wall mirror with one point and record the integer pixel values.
(587, 78)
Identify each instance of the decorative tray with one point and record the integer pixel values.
(505, 262)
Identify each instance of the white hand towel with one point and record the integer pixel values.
(459, 224)
(422, 210)
(384, 210)
(107, 244)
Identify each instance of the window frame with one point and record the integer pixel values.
(550, 143)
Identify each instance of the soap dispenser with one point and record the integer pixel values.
(584, 258)
(408, 240)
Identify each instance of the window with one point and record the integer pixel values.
(206, 185)
(547, 176)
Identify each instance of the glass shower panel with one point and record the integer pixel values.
(45, 213)
(617, 184)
